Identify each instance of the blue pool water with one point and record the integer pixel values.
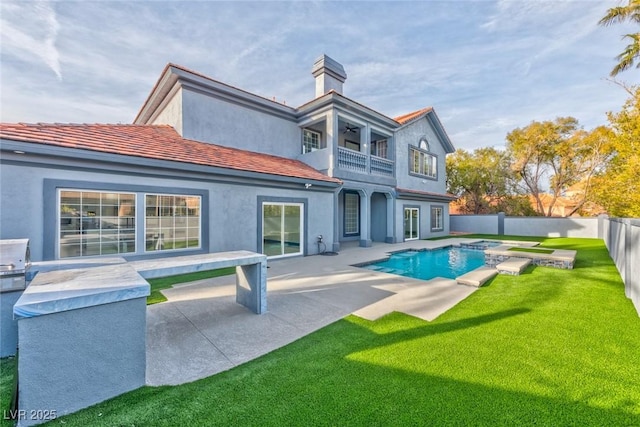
(449, 262)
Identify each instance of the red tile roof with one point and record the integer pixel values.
(159, 142)
(410, 116)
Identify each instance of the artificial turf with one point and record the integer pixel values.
(166, 282)
(550, 347)
(532, 250)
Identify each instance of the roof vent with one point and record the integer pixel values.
(329, 75)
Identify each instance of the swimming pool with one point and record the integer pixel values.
(449, 262)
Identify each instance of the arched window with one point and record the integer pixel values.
(424, 144)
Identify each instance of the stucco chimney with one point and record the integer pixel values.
(329, 75)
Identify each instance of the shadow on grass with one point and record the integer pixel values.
(312, 383)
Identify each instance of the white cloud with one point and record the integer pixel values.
(30, 29)
(487, 67)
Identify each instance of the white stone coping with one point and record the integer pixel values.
(63, 290)
(477, 277)
(151, 269)
(59, 286)
(515, 265)
(556, 255)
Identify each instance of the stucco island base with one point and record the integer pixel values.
(81, 339)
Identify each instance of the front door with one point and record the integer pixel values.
(411, 221)
(282, 229)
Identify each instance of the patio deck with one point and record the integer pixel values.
(201, 331)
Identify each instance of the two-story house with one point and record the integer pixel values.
(209, 167)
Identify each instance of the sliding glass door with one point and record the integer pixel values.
(411, 221)
(282, 229)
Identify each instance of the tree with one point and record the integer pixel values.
(482, 179)
(558, 154)
(615, 15)
(617, 188)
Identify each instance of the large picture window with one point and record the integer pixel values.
(96, 223)
(422, 163)
(171, 222)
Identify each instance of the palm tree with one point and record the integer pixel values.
(616, 15)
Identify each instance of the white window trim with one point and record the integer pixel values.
(187, 248)
(439, 219)
(357, 223)
(311, 148)
(425, 160)
(283, 204)
(58, 244)
(417, 223)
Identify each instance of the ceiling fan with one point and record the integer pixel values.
(348, 128)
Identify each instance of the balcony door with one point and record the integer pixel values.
(282, 229)
(411, 223)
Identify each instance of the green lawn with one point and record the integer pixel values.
(532, 250)
(547, 348)
(166, 282)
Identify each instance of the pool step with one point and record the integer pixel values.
(513, 266)
(477, 277)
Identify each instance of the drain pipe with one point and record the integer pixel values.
(321, 244)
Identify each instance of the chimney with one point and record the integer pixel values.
(329, 75)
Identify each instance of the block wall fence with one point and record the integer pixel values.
(620, 235)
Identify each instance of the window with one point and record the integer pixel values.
(96, 223)
(171, 222)
(422, 163)
(352, 145)
(351, 214)
(310, 141)
(411, 223)
(436, 218)
(379, 148)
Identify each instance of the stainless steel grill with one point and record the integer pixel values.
(15, 261)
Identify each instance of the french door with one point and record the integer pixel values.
(411, 223)
(282, 229)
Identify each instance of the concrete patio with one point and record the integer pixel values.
(201, 330)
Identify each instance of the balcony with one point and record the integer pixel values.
(362, 163)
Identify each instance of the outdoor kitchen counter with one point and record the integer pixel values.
(251, 272)
(63, 290)
(162, 267)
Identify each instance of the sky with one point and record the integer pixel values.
(486, 67)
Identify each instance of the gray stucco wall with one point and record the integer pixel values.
(232, 207)
(411, 135)
(551, 227)
(8, 325)
(527, 226)
(74, 359)
(424, 219)
(209, 119)
(486, 224)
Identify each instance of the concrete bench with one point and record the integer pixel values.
(513, 266)
(477, 277)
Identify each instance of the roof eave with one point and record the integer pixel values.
(431, 197)
(337, 99)
(43, 149)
